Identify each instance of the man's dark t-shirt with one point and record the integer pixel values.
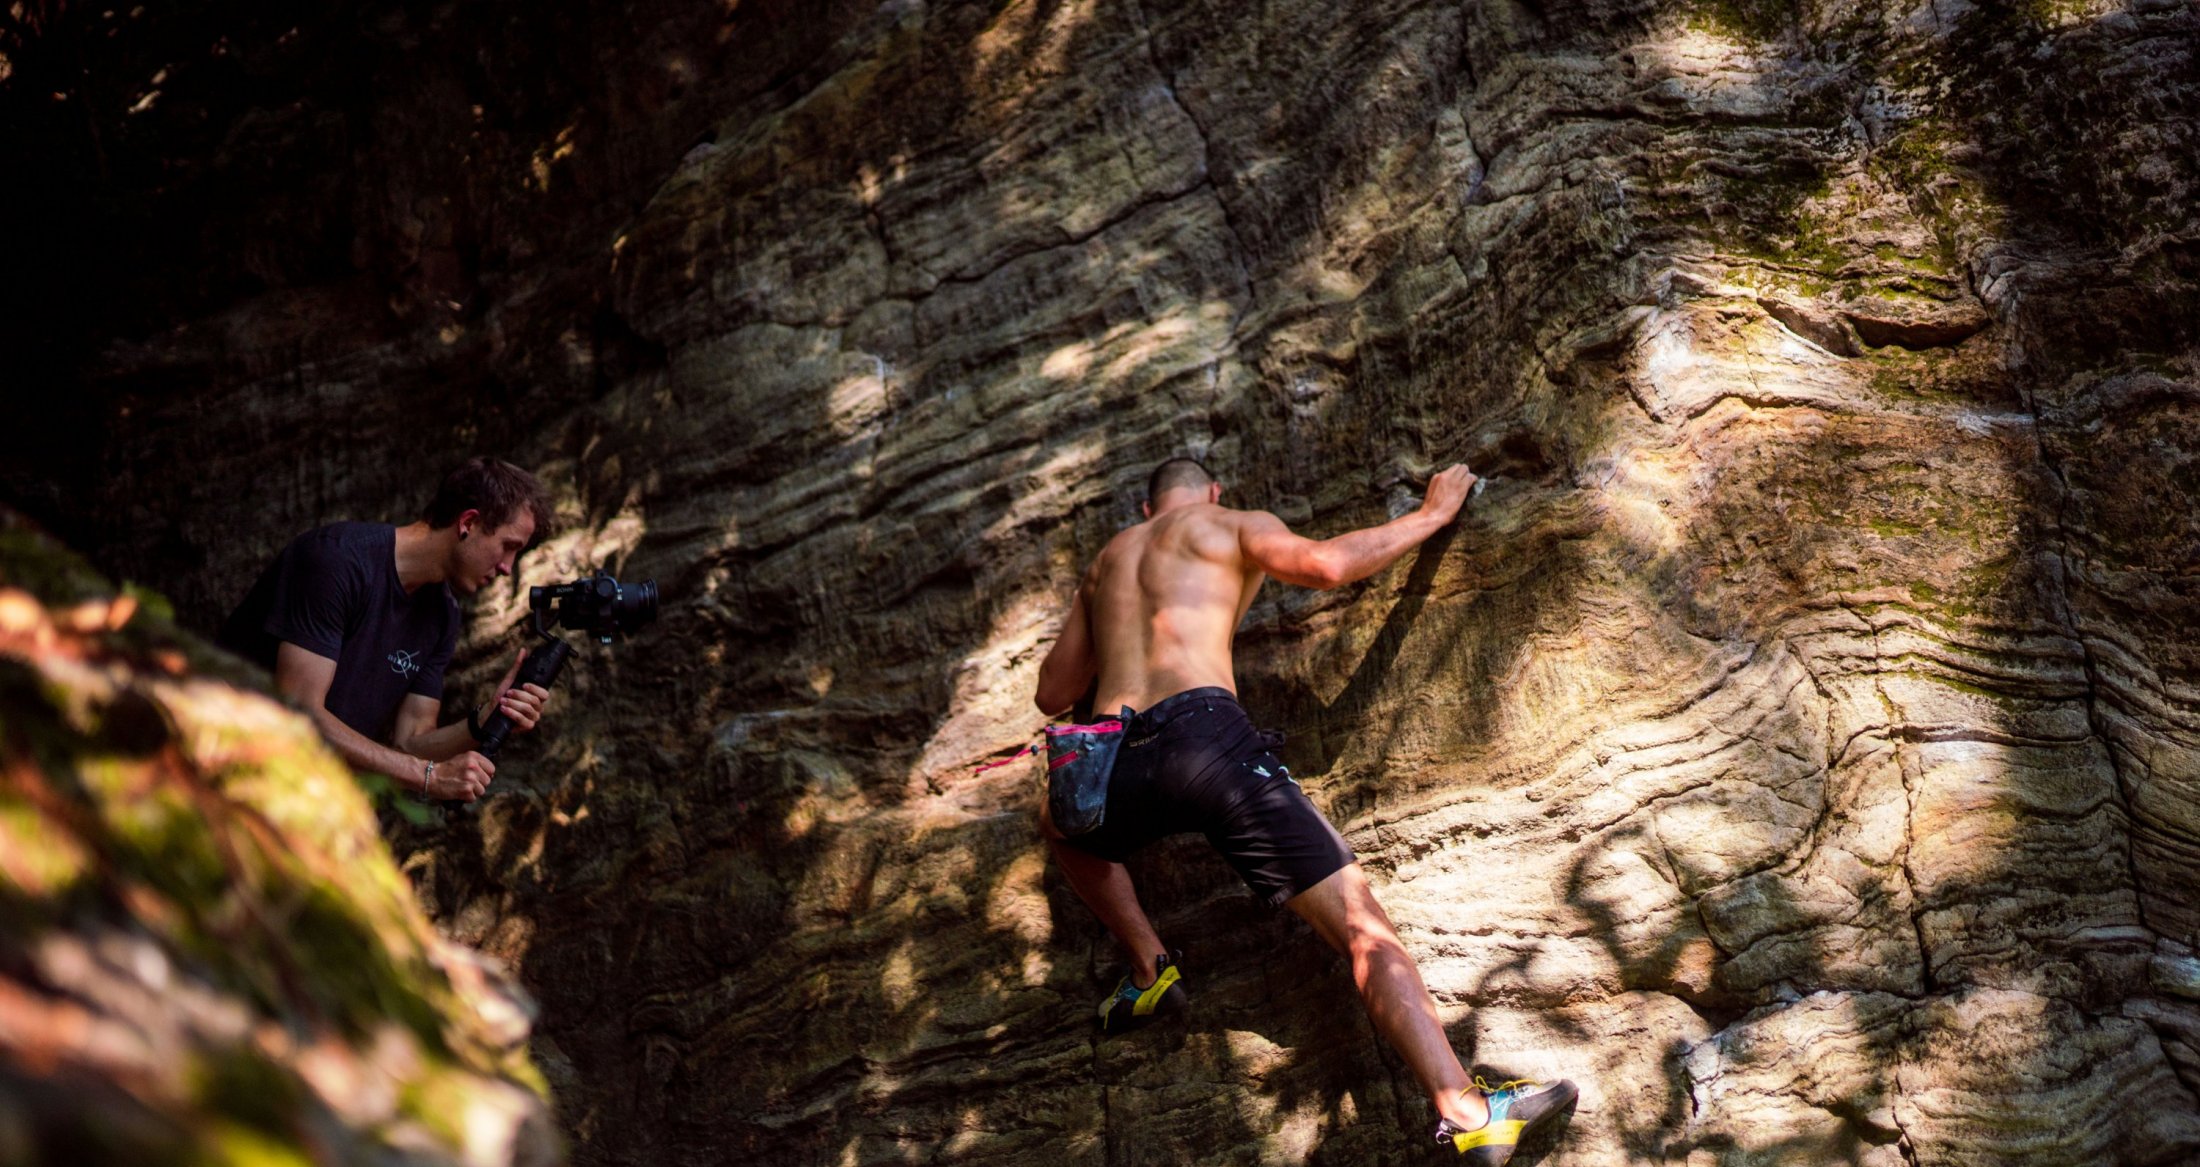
(334, 592)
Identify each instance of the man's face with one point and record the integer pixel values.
(486, 553)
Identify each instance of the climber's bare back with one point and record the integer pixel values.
(1161, 603)
(1163, 600)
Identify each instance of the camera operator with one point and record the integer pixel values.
(358, 621)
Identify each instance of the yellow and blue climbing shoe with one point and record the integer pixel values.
(1518, 1109)
(1129, 1006)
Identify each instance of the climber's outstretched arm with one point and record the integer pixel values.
(1354, 555)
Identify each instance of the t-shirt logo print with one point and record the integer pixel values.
(404, 662)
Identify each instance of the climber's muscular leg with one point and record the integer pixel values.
(1106, 889)
(1343, 909)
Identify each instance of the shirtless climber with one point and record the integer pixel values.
(1152, 621)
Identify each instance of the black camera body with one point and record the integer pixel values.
(597, 606)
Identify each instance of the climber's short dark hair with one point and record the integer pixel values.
(1174, 474)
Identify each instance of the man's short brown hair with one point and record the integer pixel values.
(1175, 474)
(498, 489)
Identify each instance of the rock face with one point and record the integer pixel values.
(1798, 743)
(206, 952)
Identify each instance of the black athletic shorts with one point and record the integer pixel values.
(1194, 763)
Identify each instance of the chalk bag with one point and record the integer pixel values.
(1079, 758)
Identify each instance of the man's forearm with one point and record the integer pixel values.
(1356, 555)
(437, 744)
(366, 754)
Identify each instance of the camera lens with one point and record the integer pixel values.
(637, 606)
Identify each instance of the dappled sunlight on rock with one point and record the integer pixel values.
(1710, 352)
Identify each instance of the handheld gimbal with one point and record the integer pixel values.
(597, 606)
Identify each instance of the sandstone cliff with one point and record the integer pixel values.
(1798, 742)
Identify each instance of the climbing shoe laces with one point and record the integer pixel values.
(1129, 1006)
(1518, 1108)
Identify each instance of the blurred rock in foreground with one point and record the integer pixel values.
(206, 954)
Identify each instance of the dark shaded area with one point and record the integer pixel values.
(382, 170)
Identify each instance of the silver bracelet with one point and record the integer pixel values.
(427, 784)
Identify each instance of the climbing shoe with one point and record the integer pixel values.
(1518, 1109)
(1129, 1006)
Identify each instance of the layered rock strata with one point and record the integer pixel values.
(1796, 743)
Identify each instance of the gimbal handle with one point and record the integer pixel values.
(541, 668)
